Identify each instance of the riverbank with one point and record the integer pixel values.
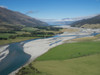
(4, 44)
(15, 46)
(72, 58)
(3, 52)
(38, 47)
(35, 48)
(18, 39)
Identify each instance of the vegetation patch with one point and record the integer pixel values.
(25, 33)
(88, 65)
(69, 30)
(71, 50)
(92, 26)
(29, 29)
(18, 39)
(80, 58)
(30, 70)
(85, 39)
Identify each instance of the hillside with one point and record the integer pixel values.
(94, 20)
(12, 18)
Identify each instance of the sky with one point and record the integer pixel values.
(54, 9)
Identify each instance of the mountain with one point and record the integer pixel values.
(90, 21)
(65, 21)
(78, 18)
(60, 23)
(12, 18)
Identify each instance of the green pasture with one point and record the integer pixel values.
(87, 65)
(80, 58)
(71, 50)
(6, 35)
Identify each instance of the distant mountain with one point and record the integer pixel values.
(12, 18)
(78, 18)
(57, 22)
(60, 23)
(65, 21)
(89, 21)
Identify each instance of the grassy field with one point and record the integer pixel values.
(92, 26)
(18, 39)
(79, 58)
(85, 39)
(69, 30)
(27, 33)
(29, 29)
(30, 70)
(88, 65)
(6, 35)
(71, 50)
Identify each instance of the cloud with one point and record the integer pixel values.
(31, 12)
(79, 18)
(50, 20)
(3, 6)
(69, 19)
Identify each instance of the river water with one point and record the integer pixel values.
(17, 57)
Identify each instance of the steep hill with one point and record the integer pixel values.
(12, 18)
(94, 20)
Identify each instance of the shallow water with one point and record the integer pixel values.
(16, 58)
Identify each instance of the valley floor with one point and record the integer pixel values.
(77, 58)
(87, 65)
(36, 48)
(18, 39)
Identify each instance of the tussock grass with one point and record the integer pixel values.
(18, 39)
(69, 30)
(93, 26)
(85, 39)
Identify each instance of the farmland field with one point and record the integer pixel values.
(88, 65)
(80, 58)
(71, 50)
(26, 33)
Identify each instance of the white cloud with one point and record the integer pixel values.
(68, 19)
(79, 18)
(51, 20)
(48, 20)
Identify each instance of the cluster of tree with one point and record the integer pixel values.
(32, 34)
(7, 32)
(34, 71)
(50, 28)
(43, 33)
(36, 34)
(10, 37)
(3, 38)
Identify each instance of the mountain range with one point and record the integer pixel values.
(90, 21)
(65, 21)
(9, 17)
